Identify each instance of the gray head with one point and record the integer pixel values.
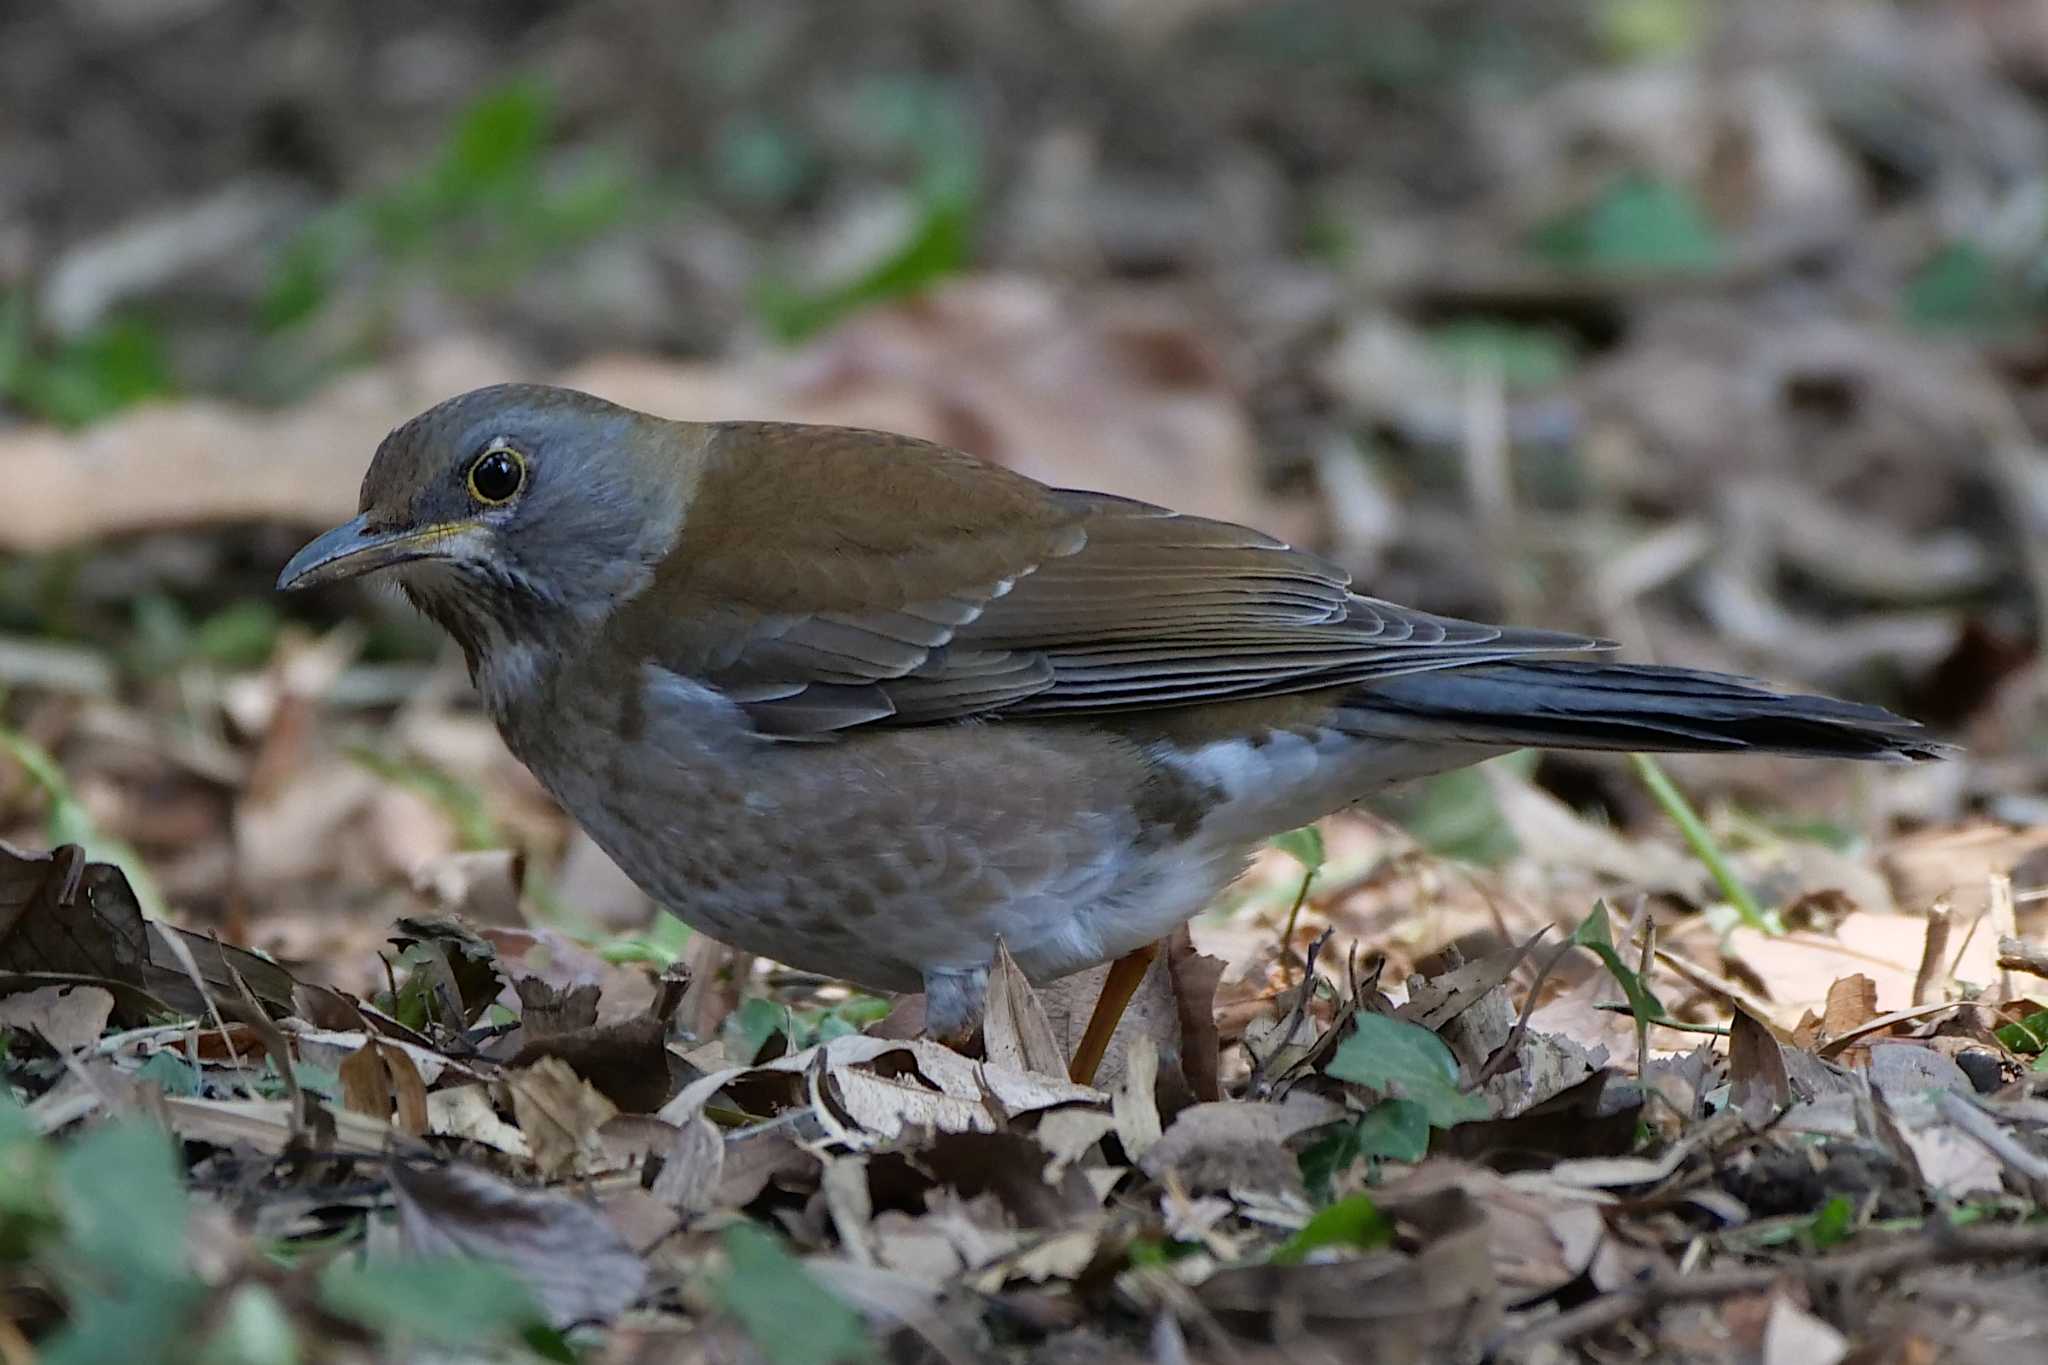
(516, 513)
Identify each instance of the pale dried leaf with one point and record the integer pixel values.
(466, 1111)
(65, 1017)
(266, 1125)
(1793, 1336)
(481, 885)
(1136, 1107)
(1070, 1134)
(1015, 1030)
(560, 1113)
(692, 1167)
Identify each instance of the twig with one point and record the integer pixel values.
(2003, 915)
(2019, 955)
(1294, 1016)
(1509, 1050)
(1944, 1245)
(1987, 1133)
(1932, 949)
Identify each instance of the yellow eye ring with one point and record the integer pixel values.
(496, 476)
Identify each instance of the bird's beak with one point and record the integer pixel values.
(355, 548)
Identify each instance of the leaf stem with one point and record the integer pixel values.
(1702, 843)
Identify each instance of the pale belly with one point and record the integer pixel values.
(888, 858)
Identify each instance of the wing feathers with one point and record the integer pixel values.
(990, 596)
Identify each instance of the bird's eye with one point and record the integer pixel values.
(496, 476)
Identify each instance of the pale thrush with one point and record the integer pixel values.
(861, 703)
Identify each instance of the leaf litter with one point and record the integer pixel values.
(1382, 1186)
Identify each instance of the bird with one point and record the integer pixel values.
(866, 704)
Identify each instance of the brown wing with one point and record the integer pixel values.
(987, 594)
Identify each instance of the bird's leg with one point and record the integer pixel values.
(1117, 989)
(952, 1007)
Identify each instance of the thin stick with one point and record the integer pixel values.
(1932, 951)
(1941, 1246)
(1117, 989)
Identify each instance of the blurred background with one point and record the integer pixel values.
(1714, 327)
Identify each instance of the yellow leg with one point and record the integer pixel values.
(1117, 989)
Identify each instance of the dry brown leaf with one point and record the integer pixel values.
(1194, 977)
(1796, 969)
(1015, 1030)
(1438, 1303)
(1759, 1084)
(565, 1251)
(202, 462)
(482, 886)
(560, 1114)
(1152, 1013)
(627, 1060)
(380, 1076)
(1238, 1144)
(365, 1083)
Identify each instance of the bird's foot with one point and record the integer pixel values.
(952, 1007)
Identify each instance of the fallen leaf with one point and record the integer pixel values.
(466, 1111)
(1760, 1086)
(1015, 1030)
(560, 1114)
(1793, 1336)
(65, 1017)
(563, 1249)
(627, 1060)
(692, 1168)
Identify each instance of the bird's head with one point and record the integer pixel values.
(513, 513)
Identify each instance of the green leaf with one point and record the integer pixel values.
(1457, 817)
(1353, 1222)
(448, 1301)
(1637, 223)
(748, 1028)
(172, 1074)
(254, 1328)
(1833, 1224)
(1703, 844)
(123, 1260)
(123, 1201)
(1650, 30)
(937, 246)
(2026, 1035)
(790, 1316)
(496, 143)
(1304, 845)
(1594, 932)
(238, 636)
(1395, 1129)
(1406, 1061)
(1959, 287)
(1526, 358)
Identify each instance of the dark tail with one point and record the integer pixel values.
(1572, 705)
